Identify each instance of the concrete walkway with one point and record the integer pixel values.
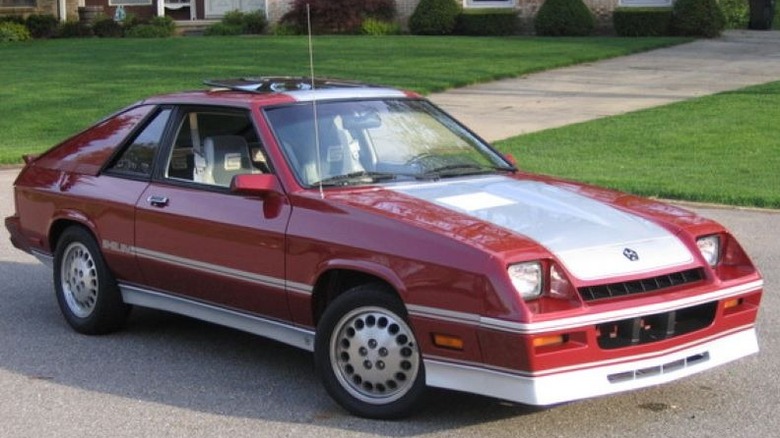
(584, 92)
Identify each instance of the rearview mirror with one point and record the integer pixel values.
(365, 120)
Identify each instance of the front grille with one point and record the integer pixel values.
(603, 291)
(657, 327)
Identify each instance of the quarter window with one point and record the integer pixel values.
(138, 157)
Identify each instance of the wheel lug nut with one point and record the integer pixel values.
(383, 352)
(380, 365)
(367, 364)
(363, 351)
(372, 344)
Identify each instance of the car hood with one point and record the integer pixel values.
(593, 240)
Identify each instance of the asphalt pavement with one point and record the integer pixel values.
(170, 376)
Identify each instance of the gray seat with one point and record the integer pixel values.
(337, 154)
(226, 156)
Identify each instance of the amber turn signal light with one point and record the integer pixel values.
(734, 302)
(447, 341)
(546, 341)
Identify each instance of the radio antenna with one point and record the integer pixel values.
(314, 104)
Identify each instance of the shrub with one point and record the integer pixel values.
(10, 31)
(237, 23)
(74, 29)
(434, 17)
(255, 23)
(166, 23)
(42, 25)
(376, 27)
(233, 18)
(640, 22)
(156, 27)
(223, 29)
(18, 19)
(106, 27)
(736, 13)
(337, 16)
(564, 18)
(697, 18)
(487, 22)
(132, 20)
(147, 31)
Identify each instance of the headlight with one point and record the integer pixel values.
(709, 247)
(527, 279)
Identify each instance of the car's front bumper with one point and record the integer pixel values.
(598, 379)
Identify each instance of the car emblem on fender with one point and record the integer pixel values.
(631, 254)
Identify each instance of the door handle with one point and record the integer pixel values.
(157, 201)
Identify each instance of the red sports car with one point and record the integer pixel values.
(366, 225)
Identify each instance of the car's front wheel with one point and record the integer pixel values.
(367, 355)
(86, 290)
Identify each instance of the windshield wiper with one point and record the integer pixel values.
(360, 177)
(461, 169)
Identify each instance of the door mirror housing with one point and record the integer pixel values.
(256, 184)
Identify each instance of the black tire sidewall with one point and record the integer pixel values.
(110, 311)
(371, 295)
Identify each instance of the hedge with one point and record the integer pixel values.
(487, 22)
(641, 22)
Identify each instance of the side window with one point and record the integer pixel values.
(212, 146)
(138, 157)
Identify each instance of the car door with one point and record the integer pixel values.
(197, 239)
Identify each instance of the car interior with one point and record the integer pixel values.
(211, 148)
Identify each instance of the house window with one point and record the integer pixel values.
(645, 3)
(129, 2)
(17, 3)
(489, 3)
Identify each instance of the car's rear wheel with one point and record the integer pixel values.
(86, 290)
(367, 355)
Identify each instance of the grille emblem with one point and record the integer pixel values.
(631, 254)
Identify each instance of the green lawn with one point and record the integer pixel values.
(53, 88)
(723, 148)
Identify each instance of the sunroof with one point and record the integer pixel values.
(280, 84)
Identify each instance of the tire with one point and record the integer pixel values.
(87, 292)
(367, 355)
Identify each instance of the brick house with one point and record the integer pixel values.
(274, 9)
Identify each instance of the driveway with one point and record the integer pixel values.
(554, 98)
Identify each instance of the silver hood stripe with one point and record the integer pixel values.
(587, 236)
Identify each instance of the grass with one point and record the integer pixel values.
(723, 149)
(54, 88)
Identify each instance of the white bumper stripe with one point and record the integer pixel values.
(592, 382)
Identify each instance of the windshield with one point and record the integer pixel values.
(365, 142)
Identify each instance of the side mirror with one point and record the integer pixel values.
(257, 184)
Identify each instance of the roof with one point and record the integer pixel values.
(271, 90)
